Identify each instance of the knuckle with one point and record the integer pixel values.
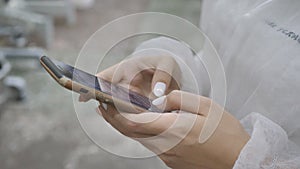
(172, 98)
(101, 74)
(174, 93)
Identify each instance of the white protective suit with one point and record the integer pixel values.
(259, 45)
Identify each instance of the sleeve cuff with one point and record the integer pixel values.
(268, 141)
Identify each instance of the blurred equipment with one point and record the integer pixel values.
(16, 87)
(83, 4)
(16, 44)
(4, 70)
(26, 27)
(53, 8)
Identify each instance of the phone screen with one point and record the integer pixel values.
(102, 85)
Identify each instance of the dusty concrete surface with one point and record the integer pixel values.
(43, 132)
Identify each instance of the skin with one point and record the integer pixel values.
(220, 151)
(140, 74)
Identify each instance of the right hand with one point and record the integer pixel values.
(151, 76)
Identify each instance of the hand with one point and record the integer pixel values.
(220, 151)
(151, 76)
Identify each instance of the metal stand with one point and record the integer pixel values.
(38, 27)
(53, 8)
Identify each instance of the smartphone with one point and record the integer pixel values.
(98, 88)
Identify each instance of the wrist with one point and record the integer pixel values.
(235, 152)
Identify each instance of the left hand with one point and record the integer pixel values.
(220, 151)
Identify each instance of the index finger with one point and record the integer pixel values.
(181, 100)
(163, 75)
(149, 123)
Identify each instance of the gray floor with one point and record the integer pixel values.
(43, 132)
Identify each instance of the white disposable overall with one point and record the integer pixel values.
(259, 45)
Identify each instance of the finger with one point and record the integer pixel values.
(83, 97)
(151, 123)
(140, 124)
(169, 160)
(160, 82)
(142, 79)
(111, 121)
(113, 74)
(107, 113)
(106, 74)
(98, 111)
(121, 123)
(180, 100)
(163, 75)
(101, 110)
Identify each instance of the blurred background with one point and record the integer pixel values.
(38, 125)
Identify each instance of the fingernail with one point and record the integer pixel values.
(104, 105)
(159, 89)
(159, 101)
(97, 110)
